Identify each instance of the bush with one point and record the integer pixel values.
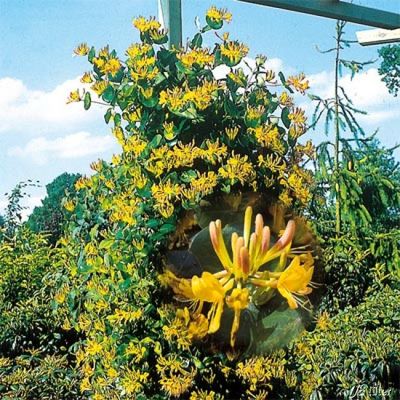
(35, 376)
(189, 139)
(34, 361)
(24, 260)
(355, 354)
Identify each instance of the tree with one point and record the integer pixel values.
(390, 67)
(13, 213)
(356, 206)
(49, 217)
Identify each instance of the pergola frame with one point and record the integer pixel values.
(337, 9)
(171, 16)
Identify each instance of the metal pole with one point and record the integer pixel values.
(338, 10)
(170, 15)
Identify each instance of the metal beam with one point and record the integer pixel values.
(378, 36)
(337, 10)
(170, 15)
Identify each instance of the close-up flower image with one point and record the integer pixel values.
(231, 230)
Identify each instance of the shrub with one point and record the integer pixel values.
(355, 354)
(34, 360)
(35, 376)
(194, 148)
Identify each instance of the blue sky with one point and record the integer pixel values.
(41, 137)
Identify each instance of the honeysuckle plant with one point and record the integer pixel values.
(196, 147)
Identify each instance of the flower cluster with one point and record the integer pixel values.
(244, 274)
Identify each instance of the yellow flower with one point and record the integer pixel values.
(250, 252)
(204, 183)
(294, 281)
(147, 93)
(173, 99)
(97, 165)
(237, 168)
(268, 136)
(200, 57)
(198, 327)
(299, 83)
(145, 25)
(285, 198)
(232, 132)
(138, 50)
(238, 300)
(297, 117)
(209, 289)
(269, 76)
(169, 130)
(69, 205)
(233, 51)
(218, 15)
(285, 100)
(202, 96)
(93, 348)
(104, 52)
(99, 62)
(112, 66)
(87, 78)
(85, 384)
(255, 113)
(74, 97)
(203, 395)
(99, 87)
(81, 50)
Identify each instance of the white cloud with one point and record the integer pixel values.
(366, 90)
(39, 112)
(75, 145)
(29, 203)
(3, 205)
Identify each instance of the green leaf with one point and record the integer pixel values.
(117, 119)
(230, 107)
(283, 81)
(285, 117)
(213, 24)
(155, 142)
(109, 94)
(107, 115)
(87, 101)
(91, 54)
(277, 328)
(197, 41)
(188, 176)
(167, 228)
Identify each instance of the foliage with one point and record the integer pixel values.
(355, 207)
(355, 354)
(25, 258)
(34, 361)
(190, 141)
(33, 376)
(390, 67)
(50, 216)
(13, 215)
